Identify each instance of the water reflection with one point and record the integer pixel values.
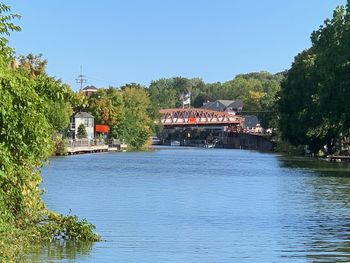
(327, 226)
(62, 251)
(197, 205)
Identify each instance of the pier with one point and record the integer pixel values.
(88, 146)
(85, 146)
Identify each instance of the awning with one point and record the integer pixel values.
(102, 128)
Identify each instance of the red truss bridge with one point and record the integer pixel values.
(199, 117)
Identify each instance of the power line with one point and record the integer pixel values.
(81, 78)
(105, 81)
(246, 112)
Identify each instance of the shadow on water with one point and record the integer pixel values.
(321, 167)
(62, 251)
(327, 228)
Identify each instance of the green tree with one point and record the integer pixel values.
(56, 95)
(33, 65)
(137, 124)
(58, 115)
(82, 133)
(298, 103)
(315, 91)
(162, 93)
(79, 101)
(166, 93)
(25, 143)
(106, 105)
(6, 27)
(56, 101)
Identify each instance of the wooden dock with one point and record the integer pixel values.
(87, 149)
(88, 146)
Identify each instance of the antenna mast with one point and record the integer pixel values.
(81, 78)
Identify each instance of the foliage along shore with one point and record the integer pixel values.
(305, 105)
(25, 142)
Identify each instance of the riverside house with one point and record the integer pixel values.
(231, 106)
(89, 90)
(82, 118)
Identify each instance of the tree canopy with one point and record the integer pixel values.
(313, 101)
(257, 90)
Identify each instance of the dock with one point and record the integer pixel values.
(90, 146)
(87, 149)
(85, 146)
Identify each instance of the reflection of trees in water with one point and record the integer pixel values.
(327, 224)
(61, 250)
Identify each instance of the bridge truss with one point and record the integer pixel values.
(172, 118)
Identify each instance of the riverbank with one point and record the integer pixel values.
(16, 242)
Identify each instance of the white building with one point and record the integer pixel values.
(82, 118)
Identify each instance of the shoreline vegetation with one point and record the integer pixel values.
(306, 107)
(25, 143)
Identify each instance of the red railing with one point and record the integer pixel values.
(196, 117)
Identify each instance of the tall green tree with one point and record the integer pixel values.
(313, 97)
(137, 124)
(34, 65)
(56, 101)
(162, 93)
(106, 105)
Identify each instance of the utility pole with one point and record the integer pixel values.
(81, 78)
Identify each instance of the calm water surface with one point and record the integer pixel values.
(201, 205)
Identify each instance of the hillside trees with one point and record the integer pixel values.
(257, 90)
(166, 93)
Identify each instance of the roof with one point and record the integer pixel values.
(236, 105)
(82, 114)
(90, 88)
(214, 105)
(251, 121)
(222, 105)
(226, 102)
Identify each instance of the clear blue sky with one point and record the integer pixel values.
(118, 42)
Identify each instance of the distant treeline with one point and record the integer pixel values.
(308, 105)
(257, 90)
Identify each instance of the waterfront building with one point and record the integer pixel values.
(82, 118)
(230, 106)
(89, 90)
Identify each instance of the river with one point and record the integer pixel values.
(201, 205)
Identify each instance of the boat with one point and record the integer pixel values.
(174, 143)
(211, 145)
(155, 140)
